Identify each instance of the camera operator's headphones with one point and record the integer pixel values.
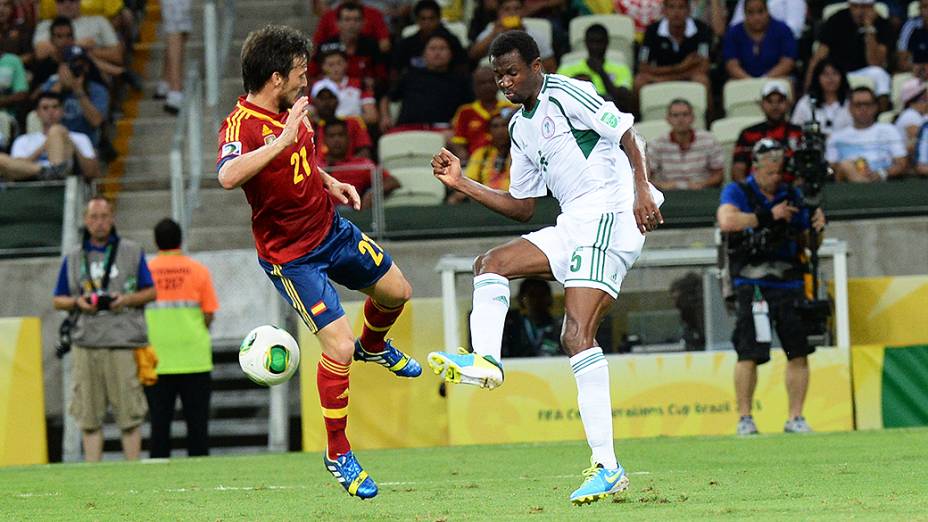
(766, 146)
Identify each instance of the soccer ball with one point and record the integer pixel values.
(269, 355)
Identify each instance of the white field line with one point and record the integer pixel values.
(284, 488)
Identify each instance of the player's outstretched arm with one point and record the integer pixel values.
(647, 214)
(235, 172)
(447, 168)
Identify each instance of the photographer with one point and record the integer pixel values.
(85, 99)
(105, 284)
(768, 232)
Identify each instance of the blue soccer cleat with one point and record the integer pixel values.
(467, 368)
(599, 483)
(390, 358)
(349, 474)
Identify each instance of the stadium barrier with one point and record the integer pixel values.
(22, 402)
(889, 386)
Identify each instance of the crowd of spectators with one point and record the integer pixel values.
(63, 73)
(402, 65)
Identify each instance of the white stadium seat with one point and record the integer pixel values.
(655, 97)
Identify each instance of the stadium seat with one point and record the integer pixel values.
(409, 149)
(898, 80)
(881, 9)
(655, 97)
(726, 131)
(856, 80)
(621, 30)
(540, 26)
(456, 28)
(742, 97)
(418, 188)
(651, 130)
(612, 55)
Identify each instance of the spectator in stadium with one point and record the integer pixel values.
(675, 48)
(105, 284)
(612, 80)
(86, 102)
(14, 86)
(509, 16)
(325, 109)
(373, 25)
(759, 46)
(644, 13)
(54, 152)
(532, 330)
(94, 33)
(775, 104)
(686, 158)
(790, 12)
(914, 102)
(15, 37)
(353, 98)
(489, 164)
(178, 328)
(912, 46)
(352, 169)
(408, 52)
(831, 92)
(686, 293)
(858, 40)
(768, 281)
(868, 150)
(429, 96)
(471, 122)
(483, 15)
(366, 62)
(62, 40)
(176, 24)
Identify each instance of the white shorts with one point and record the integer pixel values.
(591, 252)
(175, 16)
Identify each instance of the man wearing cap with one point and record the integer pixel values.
(858, 40)
(914, 103)
(912, 46)
(325, 107)
(767, 278)
(868, 150)
(775, 104)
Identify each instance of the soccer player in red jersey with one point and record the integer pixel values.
(266, 147)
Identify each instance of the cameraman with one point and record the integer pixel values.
(768, 233)
(105, 284)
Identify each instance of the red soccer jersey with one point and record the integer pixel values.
(471, 124)
(291, 212)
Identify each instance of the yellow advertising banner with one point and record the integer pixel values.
(22, 404)
(384, 411)
(652, 395)
(888, 310)
(867, 362)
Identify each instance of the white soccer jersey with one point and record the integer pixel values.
(569, 142)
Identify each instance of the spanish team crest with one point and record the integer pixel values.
(547, 127)
(268, 134)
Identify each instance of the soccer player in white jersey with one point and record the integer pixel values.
(567, 139)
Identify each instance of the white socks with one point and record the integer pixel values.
(592, 373)
(491, 302)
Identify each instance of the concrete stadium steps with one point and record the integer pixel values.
(141, 209)
(238, 412)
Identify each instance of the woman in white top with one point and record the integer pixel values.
(831, 91)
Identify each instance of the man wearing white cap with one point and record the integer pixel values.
(776, 104)
(858, 40)
(869, 150)
(914, 103)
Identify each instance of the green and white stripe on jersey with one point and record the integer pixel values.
(597, 255)
(583, 98)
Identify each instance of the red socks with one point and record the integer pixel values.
(377, 322)
(332, 380)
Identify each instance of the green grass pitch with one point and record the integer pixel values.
(878, 475)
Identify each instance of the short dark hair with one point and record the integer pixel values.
(596, 29)
(863, 88)
(675, 101)
(49, 95)
(518, 41)
(168, 234)
(61, 21)
(348, 6)
(426, 5)
(269, 50)
(335, 122)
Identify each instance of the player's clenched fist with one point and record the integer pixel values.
(446, 167)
